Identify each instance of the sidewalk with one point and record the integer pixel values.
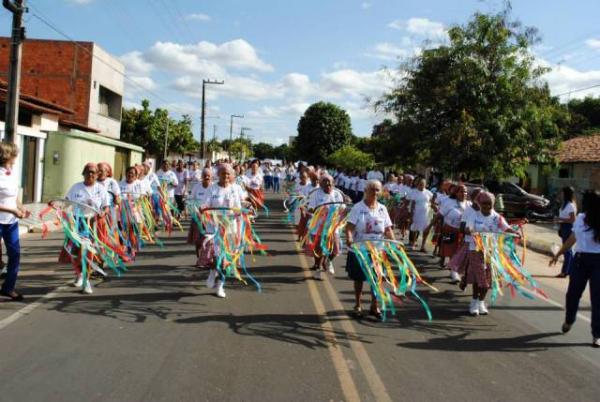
(540, 237)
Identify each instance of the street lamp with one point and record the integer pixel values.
(239, 116)
(202, 144)
(242, 130)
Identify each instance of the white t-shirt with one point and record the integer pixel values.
(95, 196)
(422, 199)
(199, 191)
(111, 186)
(477, 222)
(182, 177)
(362, 183)
(134, 188)
(375, 175)
(9, 191)
(565, 212)
(369, 224)
(195, 177)
(222, 197)
(170, 179)
(320, 197)
(585, 237)
(452, 211)
(255, 181)
(303, 189)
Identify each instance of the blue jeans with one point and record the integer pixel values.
(268, 182)
(586, 267)
(10, 235)
(276, 184)
(564, 232)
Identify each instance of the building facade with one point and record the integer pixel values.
(84, 84)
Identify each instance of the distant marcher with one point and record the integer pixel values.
(566, 218)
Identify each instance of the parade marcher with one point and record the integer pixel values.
(105, 178)
(254, 186)
(478, 274)
(420, 206)
(566, 218)
(88, 192)
(11, 211)
(368, 220)
(180, 189)
(130, 184)
(268, 176)
(222, 194)
(149, 179)
(452, 211)
(303, 188)
(586, 263)
(326, 193)
(204, 251)
(168, 179)
(458, 261)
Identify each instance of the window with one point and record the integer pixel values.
(25, 116)
(109, 103)
(564, 173)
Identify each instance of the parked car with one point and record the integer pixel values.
(514, 202)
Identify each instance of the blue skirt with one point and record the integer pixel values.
(353, 268)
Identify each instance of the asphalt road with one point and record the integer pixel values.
(158, 334)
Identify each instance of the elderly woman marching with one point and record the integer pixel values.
(11, 211)
(92, 193)
(223, 194)
(325, 194)
(459, 259)
(478, 273)
(105, 178)
(420, 206)
(368, 220)
(451, 211)
(204, 252)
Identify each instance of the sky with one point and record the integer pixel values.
(277, 57)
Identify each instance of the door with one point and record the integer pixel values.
(29, 168)
(121, 163)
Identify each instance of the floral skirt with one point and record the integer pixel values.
(476, 270)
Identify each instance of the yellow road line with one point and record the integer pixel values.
(341, 367)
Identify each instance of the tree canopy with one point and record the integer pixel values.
(476, 105)
(350, 158)
(147, 129)
(323, 129)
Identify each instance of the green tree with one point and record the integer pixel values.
(240, 149)
(147, 129)
(476, 105)
(351, 158)
(263, 150)
(585, 116)
(323, 129)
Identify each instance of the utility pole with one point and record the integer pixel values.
(17, 8)
(166, 152)
(239, 116)
(214, 132)
(242, 130)
(202, 144)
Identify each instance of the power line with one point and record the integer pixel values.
(578, 90)
(125, 76)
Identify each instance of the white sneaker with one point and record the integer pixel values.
(596, 343)
(454, 276)
(330, 268)
(482, 307)
(474, 307)
(317, 274)
(88, 288)
(212, 276)
(221, 290)
(78, 282)
(4, 271)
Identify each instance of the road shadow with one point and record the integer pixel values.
(298, 329)
(461, 343)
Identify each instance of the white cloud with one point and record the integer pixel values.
(563, 79)
(80, 2)
(366, 5)
(207, 57)
(593, 43)
(421, 27)
(198, 17)
(135, 64)
(357, 84)
(143, 83)
(389, 51)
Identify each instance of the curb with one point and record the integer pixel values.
(540, 246)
